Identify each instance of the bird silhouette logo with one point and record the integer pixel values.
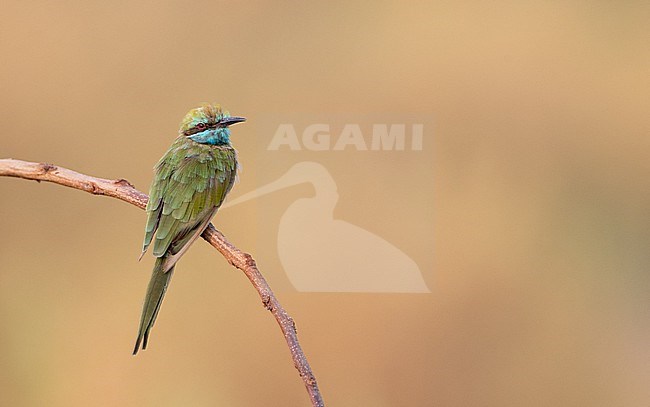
(323, 254)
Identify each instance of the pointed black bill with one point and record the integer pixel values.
(227, 121)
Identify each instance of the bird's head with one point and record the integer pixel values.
(208, 124)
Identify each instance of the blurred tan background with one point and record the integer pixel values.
(526, 211)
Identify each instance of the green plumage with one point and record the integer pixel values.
(191, 182)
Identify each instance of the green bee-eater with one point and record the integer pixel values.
(191, 182)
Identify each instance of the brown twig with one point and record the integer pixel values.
(122, 189)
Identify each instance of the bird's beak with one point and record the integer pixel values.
(290, 178)
(228, 121)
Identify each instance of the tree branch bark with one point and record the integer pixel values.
(124, 190)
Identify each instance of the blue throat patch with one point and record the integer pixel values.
(214, 137)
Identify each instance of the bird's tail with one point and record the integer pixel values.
(152, 301)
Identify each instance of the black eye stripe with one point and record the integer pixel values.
(201, 127)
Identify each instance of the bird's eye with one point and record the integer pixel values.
(200, 126)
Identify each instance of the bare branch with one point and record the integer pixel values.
(122, 189)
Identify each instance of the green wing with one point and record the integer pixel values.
(191, 182)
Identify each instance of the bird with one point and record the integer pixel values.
(190, 183)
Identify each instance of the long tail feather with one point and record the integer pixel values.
(152, 301)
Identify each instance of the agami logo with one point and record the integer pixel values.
(322, 254)
(320, 137)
